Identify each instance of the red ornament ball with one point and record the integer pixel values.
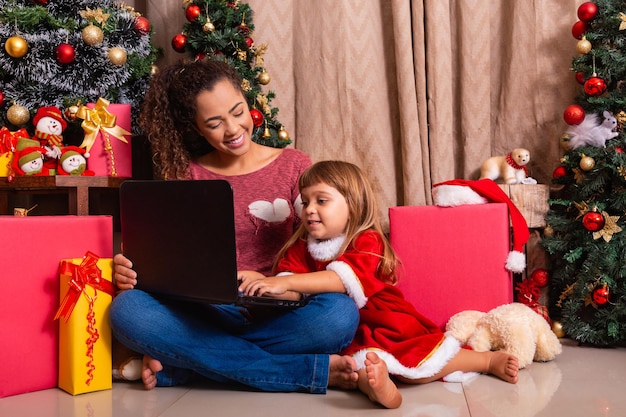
(593, 221)
(619, 149)
(559, 171)
(243, 29)
(578, 29)
(540, 277)
(1, 99)
(601, 295)
(249, 41)
(192, 12)
(65, 53)
(142, 25)
(40, 2)
(587, 11)
(179, 42)
(574, 114)
(595, 86)
(580, 77)
(257, 117)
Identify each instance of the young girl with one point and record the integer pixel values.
(340, 247)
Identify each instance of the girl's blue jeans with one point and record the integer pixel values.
(285, 350)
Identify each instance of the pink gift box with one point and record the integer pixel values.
(453, 257)
(118, 161)
(31, 249)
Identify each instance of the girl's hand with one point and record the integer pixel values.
(125, 277)
(270, 286)
(247, 277)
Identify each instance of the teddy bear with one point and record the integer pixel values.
(511, 167)
(514, 328)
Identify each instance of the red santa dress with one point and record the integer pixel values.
(411, 345)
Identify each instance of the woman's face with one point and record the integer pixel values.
(223, 118)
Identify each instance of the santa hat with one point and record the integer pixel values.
(457, 192)
(49, 111)
(23, 143)
(68, 151)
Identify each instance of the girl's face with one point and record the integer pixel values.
(325, 211)
(223, 119)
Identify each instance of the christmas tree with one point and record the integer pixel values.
(585, 235)
(223, 30)
(67, 53)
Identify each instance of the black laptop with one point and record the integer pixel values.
(180, 236)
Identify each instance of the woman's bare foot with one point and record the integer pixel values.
(375, 382)
(150, 367)
(342, 372)
(504, 365)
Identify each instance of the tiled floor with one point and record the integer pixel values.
(581, 382)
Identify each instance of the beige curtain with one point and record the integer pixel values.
(414, 92)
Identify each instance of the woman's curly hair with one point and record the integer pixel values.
(168, 113)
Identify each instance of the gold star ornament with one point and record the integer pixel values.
(610, 227)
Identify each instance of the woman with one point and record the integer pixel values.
(198, 122)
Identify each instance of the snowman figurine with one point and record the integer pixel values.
(73, 161)
(29, 162)
(49, 127)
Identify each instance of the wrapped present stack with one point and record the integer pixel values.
(37, 281)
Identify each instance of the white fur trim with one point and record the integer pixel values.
(459, 376)
(350, 282)
(448, 349)
(324, 250)
(516, 261)
(456, 195)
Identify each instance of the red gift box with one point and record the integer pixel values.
(107, 138)
(453, 258)
(31, 248)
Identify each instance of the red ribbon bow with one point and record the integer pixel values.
(8, 139)
(87, 273)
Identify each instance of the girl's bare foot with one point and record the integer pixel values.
(504, 365)
(342, 372)
(150, 367)
(374, 381)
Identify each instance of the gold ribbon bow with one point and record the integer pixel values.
(99, 119)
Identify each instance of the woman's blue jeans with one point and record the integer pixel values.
(283, 351)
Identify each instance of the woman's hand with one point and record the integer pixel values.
(125, 277)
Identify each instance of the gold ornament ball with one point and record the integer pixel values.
(587, 163)
(264, 78)
(583, 46)
(117, 56)
(557, 328)
(70, 113)
(16, 46)
(564, 142)
(92, 35)
(208, 27)
(18, 115)
(154, 70)
(283, 135)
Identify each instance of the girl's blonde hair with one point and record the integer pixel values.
(354, 186)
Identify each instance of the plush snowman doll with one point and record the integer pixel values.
(29, 161)
(73, 161)
(49, 127)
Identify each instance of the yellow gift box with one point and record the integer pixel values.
(85, 340)
(5, 163)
